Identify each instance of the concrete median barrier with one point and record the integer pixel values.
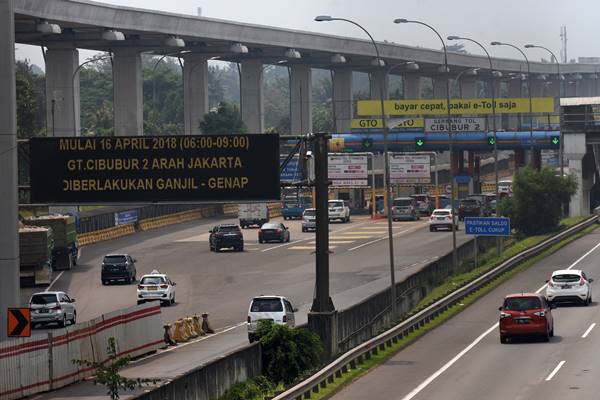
(206, 325)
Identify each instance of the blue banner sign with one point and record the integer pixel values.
(126, 217)
(487, 226)
(292, 171)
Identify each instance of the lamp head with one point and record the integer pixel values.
(321, 18)
(400, 21)
(453, 38)
(412, 66)
(238, 48)
(496, 43)
(529, 46)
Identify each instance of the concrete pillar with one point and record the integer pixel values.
(301, 99)
(570, 88)
(514, 90)
(468, 88)
(377, 78)
(251, 96)
(575, 148)
(537, 87)
(9, 239)
(495, 84)
(128, 96)
(62, 92)
(195, 92)
(342, 99)
(439, 87)
(412, 86)
(586, 87)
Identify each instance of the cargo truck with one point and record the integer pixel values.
(253, 214)
(65, 251)
(35, 254)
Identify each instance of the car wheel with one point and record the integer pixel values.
(260, 241)
(140, 302)
(503, 339)
(74, 319)
(552, 331)
(251, 338)
(217, 249)
(546, 337)
(105, 283)
(173, 300)
(63, 323)
(303, 229)
(431, 229)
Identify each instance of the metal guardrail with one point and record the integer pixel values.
(350, 359)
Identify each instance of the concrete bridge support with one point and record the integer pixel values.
(342, 99)
(376, 79)
(468, 88)
(570, 88)
(575, 149)
(9, 239)
(515, 87)
(195, 92)
(439, 87)
(128, 96)
(301, 99)
(413, 85)
(251, 96)
(62, 92)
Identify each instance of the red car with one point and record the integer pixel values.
(526, 314)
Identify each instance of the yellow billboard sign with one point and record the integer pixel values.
(376, 123)
(457, 106)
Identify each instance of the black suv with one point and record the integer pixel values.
(226, 236)
(469, 208)
(116, 267)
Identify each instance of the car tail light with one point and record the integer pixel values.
(56, 308)
(504, 315)
(278, 230)
(581, 282)
(550, 284)
(540, 313)
(164, 286)
(284, 318)
(431, 218)
(249, 319)
(140, 287)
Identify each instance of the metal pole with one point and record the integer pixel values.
(437, 187)
(73, 88)
(322, 301)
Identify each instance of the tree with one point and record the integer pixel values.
(30, 100)
(107, 373)
(538, 197)
(226, 119)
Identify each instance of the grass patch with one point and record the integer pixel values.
(389, 352)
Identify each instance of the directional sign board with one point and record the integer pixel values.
(410, 168)
(19, 322)
(348, 170)
(462, 124)
(487, 226)
(292, 171)
(147, 169)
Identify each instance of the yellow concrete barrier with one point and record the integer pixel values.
(197, 325)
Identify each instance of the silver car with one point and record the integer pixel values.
(405, 208)
(52, 307)
(309, 219)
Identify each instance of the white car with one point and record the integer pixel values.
(274, 308)
(441, 218)
(569, 285)
(48, 307)
(156, 286)
(309, 219)
(338, 210)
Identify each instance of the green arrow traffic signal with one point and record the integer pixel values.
(555, 141)
(419, 142)
(491, 140)
(367, 143)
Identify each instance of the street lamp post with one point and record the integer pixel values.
(498, 243)
(559, 79)
(450, 137)
(528, 91)
(388, 201)
(73, 89)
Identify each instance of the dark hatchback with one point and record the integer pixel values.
(273, 232)
(118, 267)
(226, 236)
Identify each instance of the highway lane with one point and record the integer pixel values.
(463, 359)
(223, 283)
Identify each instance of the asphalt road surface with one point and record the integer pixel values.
(464, 360)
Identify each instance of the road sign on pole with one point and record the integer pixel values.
(19, 322)
(487, 226)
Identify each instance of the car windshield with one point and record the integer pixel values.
(269, 226)
(566, 278)
(152, 280)
(441, 213)
(420, 197)
(43, 298)
(471, 202)
(228, 229)
(522, 303)
(336, 204)
(114, 259)
(310, 213)
(266, 305)
(402, 202)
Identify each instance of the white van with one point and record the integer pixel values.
(505, 186)
(274, 308)
(253, 214)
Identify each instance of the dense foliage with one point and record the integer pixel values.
(257, 388)
(288, 353)
(538, 200)
(224, 120)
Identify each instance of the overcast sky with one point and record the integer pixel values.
(512, 21)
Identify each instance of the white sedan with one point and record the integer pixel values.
(156, 286)
(441, 218)
(569, 285)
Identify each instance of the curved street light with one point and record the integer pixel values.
(450, 137)
(560, 91)
(73, 86)
(388, 200)
(528, 91)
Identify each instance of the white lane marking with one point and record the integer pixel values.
(437, 373)
(559, 366)
(427, 381)
(54, 281)
(587, 332)
(383, 238)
